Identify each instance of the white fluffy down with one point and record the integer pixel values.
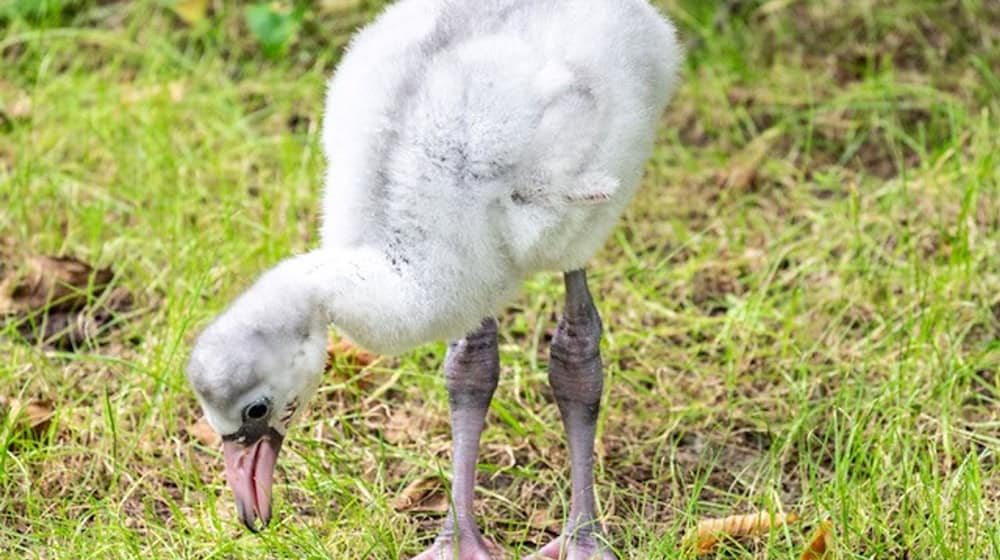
(473, 143)
(470, 144)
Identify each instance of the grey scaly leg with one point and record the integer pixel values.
(472, 369)
(577, 380)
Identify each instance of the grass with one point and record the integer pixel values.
(802, 306)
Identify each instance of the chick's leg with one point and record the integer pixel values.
(472, 369)
(577, 380)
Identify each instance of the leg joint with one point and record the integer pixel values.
(577, 341)
(472, 367)
(576, 375)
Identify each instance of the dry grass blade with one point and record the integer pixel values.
(821, 545)
(338, 6)
(709, 531)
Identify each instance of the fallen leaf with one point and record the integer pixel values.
(52, 283)
(399, 425)
(422, 495)
(202, 432)
(709, 531)
(61, 301)
(542, 520)
(740, 176)
(744, 169)
(39, 415)
(400, 428)
(191, 11)
(821, 544)
(352, 354)
(34, 415)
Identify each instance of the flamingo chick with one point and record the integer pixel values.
(470, 145)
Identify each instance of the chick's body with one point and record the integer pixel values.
(471, 144)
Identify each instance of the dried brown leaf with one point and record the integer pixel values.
(61, 301)
(34, 416)
(39, 415)
(52, 283)
(709, 531)
(745, 167)
(401, 427)
(740, 176)
(204, 434)
(821, 544)
(542, 520)
(346, 350)
(422, 495)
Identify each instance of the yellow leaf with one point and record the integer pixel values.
(704, 538)
(821, 543)
(191, 11)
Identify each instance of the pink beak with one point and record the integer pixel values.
(250, 471)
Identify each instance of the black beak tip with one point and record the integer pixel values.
(249, 519)
(251, 524)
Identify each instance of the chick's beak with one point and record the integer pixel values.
(250, 471)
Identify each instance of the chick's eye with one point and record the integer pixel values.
(257, 410)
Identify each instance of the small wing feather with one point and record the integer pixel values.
(593, 188)
(590, 188)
